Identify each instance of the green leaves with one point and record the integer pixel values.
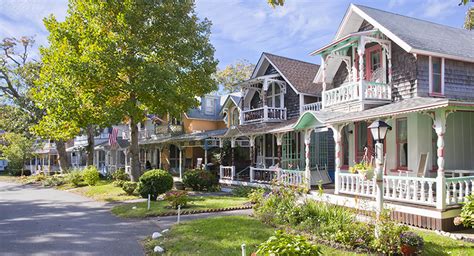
(230, 76)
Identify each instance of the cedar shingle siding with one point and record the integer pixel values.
(458, 78)
(404, 70)
(292, 103)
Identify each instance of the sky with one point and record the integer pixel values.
(243, 29)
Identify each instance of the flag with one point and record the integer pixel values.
(113, 137)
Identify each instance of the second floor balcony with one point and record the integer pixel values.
(161, 130)
(264, 114)
(370, 92)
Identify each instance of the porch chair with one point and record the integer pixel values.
(421, 167)
(199, 163)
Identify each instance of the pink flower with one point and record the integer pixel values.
(458, 221)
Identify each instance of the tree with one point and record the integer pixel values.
(18, 73)
(469, 22)
(274, 3)
(233, 74)
(16, 148)
(139, 56)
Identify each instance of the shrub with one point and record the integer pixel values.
(129, 187)
(176, 197)
(155, 182)
(75, 178)
(120, 174)
(287, 244)
(18, 172)
(53, 181)
(200, 180)
(91, 175)
(256, 195)
(389, 240)
(119, 183)
(242, 191)
(467, 213)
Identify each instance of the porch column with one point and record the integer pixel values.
(439, 124)
(180, 163)
(360, 52)
(205, 154)
(125, 152)
(264, 99)
(160, 156)
(232, 145)
(337, 135)
(252, 150)
(279, 138)
(323, 65)
(307, 141)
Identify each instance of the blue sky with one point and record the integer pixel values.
(243, 29)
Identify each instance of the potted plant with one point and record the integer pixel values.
(410, 243)
(364, 169)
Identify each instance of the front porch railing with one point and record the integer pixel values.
(264, 114)
(286, 177)
(458, 188)
(227, 172)
(407, 189)
(351, 92)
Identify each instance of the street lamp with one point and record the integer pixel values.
(379, 129)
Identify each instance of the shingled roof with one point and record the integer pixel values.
(423, 36)
(300, 74)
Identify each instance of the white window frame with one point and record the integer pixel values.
(270, 94)
(210, 102)
(430, 77)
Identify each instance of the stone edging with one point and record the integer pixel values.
(189, 212)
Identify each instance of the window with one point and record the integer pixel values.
(402, 143)
(436, 78)
(210, 107)
(274, 96)
(235, 117)
(345, 146)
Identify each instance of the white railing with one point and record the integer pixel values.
(458, 188)
(355, 184)
(350, 92)
(408, 189)
(264, 113)
(316, 106)
(291, 177)
(227, 172)
(286, 177)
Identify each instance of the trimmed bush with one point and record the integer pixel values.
(176, 198)
(129, 187)
(91, 175)
(200, 180)
(119, 183)
(75, 178)
(120, 174)
(155, 183)
(282, 244)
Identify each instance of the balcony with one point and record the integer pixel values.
(364, 91)
(161, 130)
(264, 114)
(316, 106)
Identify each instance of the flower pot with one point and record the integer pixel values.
(408, 250)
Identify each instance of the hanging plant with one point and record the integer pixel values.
(364, 168)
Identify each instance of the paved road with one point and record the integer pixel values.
(39, 221)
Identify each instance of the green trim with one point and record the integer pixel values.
(307, 120)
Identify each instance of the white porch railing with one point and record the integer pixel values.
(416, 190)
(316, 106)
(408, 189)
(291, 177)
(286, 177)
(354, 184)
(264, 113)
(350, 92)
(227, 172)
(458, 188)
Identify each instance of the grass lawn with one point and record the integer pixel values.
(224, 236)
(218, 236)
(160, 207)
(441, 245)
(5, 177)
(104, 190)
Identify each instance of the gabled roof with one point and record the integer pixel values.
(234, 97)
(299, 74)
(419, 36)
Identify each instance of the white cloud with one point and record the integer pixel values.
(437, 8)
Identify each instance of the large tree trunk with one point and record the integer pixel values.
(62, 155)
(135, 163)
(90, 145)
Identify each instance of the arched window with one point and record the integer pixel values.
(235, 117)
(274, 96)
